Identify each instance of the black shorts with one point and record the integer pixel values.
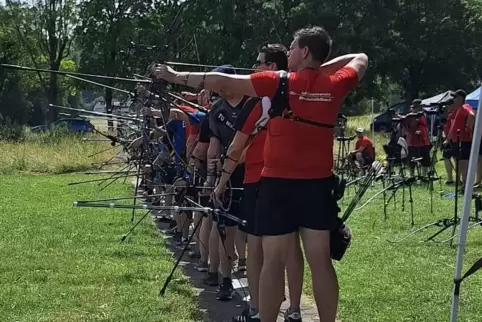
(367, 159)
(169, 173)
(447, 151)
(204, 201)
(480, 148)
(236, 181)
(465, 148)
(415, 152)
(248, 208)
(284, 205)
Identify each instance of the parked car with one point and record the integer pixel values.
(74, 125)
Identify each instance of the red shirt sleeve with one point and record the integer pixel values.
(345, 79)
(265, 83)
(459, 122)
(358, 144)
(253, 117)
(448, 124)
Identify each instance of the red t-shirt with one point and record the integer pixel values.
(460, 123)
(299, 150)
(191, 130)
(367, 144)
(250, 122)
(188, 127)
(448, 123)
(414, 124)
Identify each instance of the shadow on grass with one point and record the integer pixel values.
(128, 253)
(210, 308)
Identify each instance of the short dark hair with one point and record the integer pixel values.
(317, 40)
(275, 53)
(460, 93)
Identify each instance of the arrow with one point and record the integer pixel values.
(8, 66)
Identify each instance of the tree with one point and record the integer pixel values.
(45, 31)
(106, 28)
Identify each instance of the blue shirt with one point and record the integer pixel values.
(178, 129)
(196, 118)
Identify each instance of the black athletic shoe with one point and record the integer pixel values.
(292, 316)
(178, 236)
(246, 316)
(225, 291)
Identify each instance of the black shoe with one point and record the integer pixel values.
(211, 279)
(226, 291)
(292, 316)
(178, 236)
(246, 316)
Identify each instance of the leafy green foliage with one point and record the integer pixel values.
(415, 48)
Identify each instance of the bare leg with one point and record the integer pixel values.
(325, 283)
(271, 283)
(359, 158)
(478, 179)
(295, 270)
(463, 169)
(205, 231)
(226, 251)
(240, 242)
(255, 262)
(213, 250)
(449, 169)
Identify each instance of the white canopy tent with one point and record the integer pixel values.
(469, 188)
(437, 98)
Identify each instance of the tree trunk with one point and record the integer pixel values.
(52, 96)
(108, 108)
(108, 92)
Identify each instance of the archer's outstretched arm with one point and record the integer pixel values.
(254, 85)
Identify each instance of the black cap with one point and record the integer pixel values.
(225, 69)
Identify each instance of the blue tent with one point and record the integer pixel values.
(473, 98)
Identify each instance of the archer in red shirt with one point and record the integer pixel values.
(418, 141)
(296, 188)
(247, 145)
(461, 142)
(364, 153)
(313, 96)
(447, 150)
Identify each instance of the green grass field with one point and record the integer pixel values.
(409, 281)
(60, 263)
(53, 153)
